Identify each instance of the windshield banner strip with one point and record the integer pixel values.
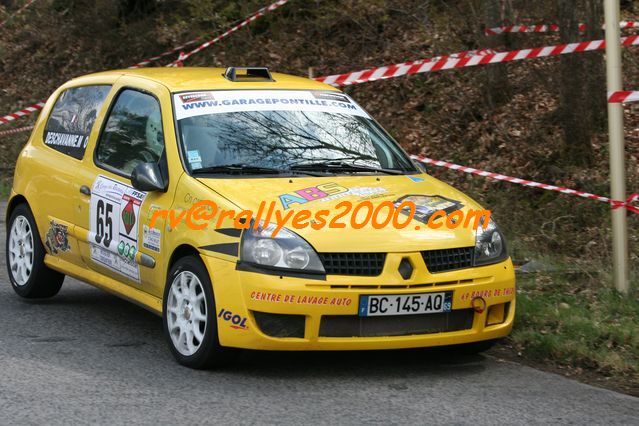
(194, 104)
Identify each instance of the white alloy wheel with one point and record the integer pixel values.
(186, 313)
(21, 250)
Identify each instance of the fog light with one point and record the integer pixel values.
(496, 314)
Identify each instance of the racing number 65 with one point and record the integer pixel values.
(103, 219)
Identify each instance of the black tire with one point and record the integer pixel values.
(210, 353)
(42, 281)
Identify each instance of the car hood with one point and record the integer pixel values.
(325, 193)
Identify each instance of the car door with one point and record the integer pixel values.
(114, 214)
(69, 127)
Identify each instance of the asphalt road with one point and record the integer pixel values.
(88, 357)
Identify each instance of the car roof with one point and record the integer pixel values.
(179, 79)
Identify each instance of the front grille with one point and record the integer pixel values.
(280, 325)
(397, 325)
(362, 264)
(448, 259)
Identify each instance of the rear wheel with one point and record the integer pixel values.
(29, 276)
(190, 324)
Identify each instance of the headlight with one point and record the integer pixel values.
(490, 245)
(285, 251)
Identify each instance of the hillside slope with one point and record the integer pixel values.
(452, 115)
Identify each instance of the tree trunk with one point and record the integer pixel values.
(578, 91)
(497, 88)
(595, 65)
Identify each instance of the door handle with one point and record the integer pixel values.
(85, 190)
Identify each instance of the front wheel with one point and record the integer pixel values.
(29, 276)
(189, 317)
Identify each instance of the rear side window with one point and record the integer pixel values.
(72, 119)
(132, 134)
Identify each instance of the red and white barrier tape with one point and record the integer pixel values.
(260, 13)
(459, 55)
(525, 29)
(543, 28)
(169, 52)
(464, 54)
(163, 54)
(23, 112)
(16, 130)
(27, 4)
(623, 97)
(257, 15)
(417, 67)
(614, 204)
(183, 56)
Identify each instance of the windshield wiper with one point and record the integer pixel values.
(240, 168)
(237, 169)
(344, 167)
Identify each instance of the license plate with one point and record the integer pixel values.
(405, 304)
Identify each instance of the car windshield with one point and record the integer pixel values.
(285, 131)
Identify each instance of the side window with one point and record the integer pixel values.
(132, 134)
(72, 119)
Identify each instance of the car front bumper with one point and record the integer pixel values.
(273, 312)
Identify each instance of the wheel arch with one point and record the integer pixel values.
(181, 251)
(15, 201)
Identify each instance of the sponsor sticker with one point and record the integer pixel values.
(364, 192)
(57, 238)
(426, 205)
(327, 192)
(151, 238)
(318, 192)
(73, 144)
(284, 298)
(488, 294)
(114, 226)
(225, 101)
(235, 321)
(66, 139)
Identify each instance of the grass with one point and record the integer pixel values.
(579, 323)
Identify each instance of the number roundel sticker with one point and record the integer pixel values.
(114, 225)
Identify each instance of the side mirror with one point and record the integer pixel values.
(147, 177)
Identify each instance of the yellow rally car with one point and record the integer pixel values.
(110, 149)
